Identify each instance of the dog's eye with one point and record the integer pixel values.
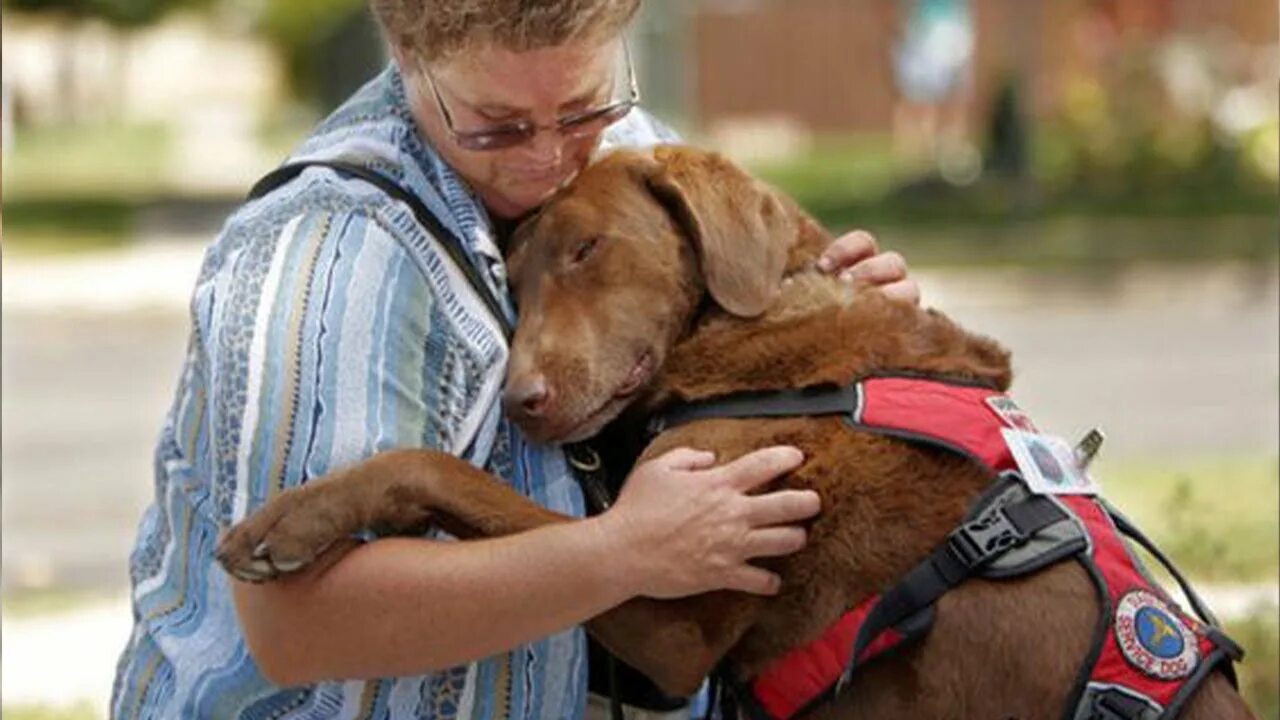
(584, 248)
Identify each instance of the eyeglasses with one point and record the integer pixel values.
(575, 125)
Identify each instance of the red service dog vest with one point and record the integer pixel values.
(1148, 656)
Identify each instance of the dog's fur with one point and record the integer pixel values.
(672, 275)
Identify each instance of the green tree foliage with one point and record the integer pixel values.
(305, 33)
(328, 47)
(120, 13)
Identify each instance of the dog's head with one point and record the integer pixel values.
(611, 271)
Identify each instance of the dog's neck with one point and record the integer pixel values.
(821, 330)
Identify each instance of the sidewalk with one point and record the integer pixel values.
(64, 659)
(142, 276)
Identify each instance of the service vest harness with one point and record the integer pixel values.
(1147, 656)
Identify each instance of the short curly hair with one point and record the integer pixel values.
(433, 30)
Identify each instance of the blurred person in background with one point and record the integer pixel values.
(933, 71)
(326, 328)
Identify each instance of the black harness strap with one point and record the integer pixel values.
(967, 550)
(814, 400)
(448, 240)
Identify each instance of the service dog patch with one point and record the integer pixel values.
(1153, 639)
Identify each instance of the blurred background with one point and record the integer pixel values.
(1094, 182)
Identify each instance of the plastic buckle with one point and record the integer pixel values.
(978, 542)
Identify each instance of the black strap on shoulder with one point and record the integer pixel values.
(827, 399)
(968, 549)
(448, 240)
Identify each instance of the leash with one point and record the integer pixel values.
(449, 241)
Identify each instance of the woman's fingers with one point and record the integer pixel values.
(782, 507)
(775, 541)
(754, 580)
(882, 269)
(683, 458)
(758, 467)
(907, 290)
(847, 250)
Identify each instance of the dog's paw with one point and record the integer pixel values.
(281, 538)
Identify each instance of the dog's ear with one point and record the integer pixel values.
(741, 228)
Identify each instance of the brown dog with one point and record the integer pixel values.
(672, 275)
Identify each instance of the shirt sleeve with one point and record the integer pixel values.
(326, 345)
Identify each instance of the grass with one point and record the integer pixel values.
(1208, 214)
(67, 224)
(835, 171)
(1259, 674)
(1083, 242)
(46, 602)
(79, 188)
(1215, 517)
(78, 711)
(119, 162)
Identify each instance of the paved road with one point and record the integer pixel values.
(1173, 363)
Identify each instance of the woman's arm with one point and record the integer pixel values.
(405, 606)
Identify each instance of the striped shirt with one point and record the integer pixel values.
(327, 326)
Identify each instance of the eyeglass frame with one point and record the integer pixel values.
(522, 131)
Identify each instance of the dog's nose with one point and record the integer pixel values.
(529, 396)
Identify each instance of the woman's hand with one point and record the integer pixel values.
(682, 526)
(856, 258)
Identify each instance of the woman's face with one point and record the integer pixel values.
(488, 87)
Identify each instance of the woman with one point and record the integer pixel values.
(327, 325)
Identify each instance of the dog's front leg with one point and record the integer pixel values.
(394, 492)
(675, 642)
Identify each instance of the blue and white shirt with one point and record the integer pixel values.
(327, 326)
